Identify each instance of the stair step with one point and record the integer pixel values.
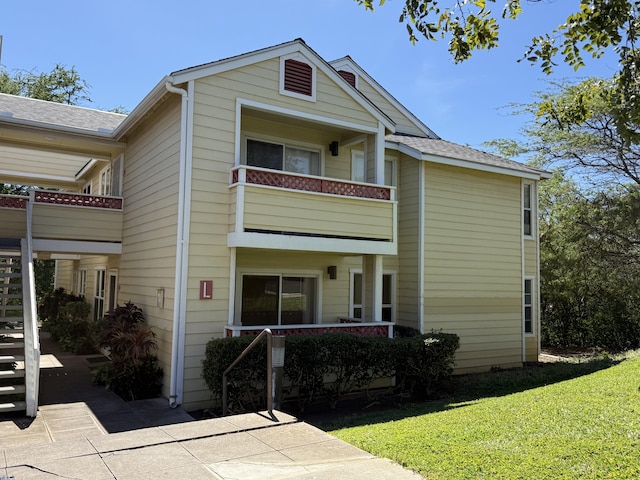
(10, 345)
(10, 295)
(4, 374)
(13, 406)
(11, 308)
(10, 275)
(11, 319)
(11, 358)
(14, 330)
(12, 390)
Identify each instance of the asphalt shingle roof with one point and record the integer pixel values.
(22, 110)
(444, 148)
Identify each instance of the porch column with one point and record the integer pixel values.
(372, 287)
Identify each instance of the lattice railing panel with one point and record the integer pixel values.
(7, 201)
(311, 184)
(77, 199)
(360, 330)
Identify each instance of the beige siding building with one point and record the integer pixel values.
(276, 189)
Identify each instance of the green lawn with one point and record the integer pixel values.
(563, 421)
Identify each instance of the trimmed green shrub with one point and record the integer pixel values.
(66, 318)
(329, 367)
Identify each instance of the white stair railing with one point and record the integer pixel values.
(31, 336)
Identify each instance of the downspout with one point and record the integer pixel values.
(421, 246)
(182, 246)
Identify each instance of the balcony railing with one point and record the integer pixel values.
(77, 199)
(371, 329)
(308, 183)
(280, 210)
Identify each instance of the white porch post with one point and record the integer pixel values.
(372, 287)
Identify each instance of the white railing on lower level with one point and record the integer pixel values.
(30, 326)
(369, 329)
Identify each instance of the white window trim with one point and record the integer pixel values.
(532, 279)
(394, 168)
(82, 282)
(285, 142)
(102, 186)
(317, 274)
(88, 186)
(300, 58)
(103, 269)
(394, 293)
(532, 215)
(354, 155)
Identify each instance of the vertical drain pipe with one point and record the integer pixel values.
(177, 343)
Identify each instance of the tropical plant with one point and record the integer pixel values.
(133, 372)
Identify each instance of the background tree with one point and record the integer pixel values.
(60, 85)
(589, 225)
(596, 27)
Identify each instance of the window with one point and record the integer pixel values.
(528, 305)
(278, 300)
(278, 156)
(388, 295)
(527, 210)
(297, 77)
(389, 173)
(82, 283)
(105, 181)
(87, 189)
(358, 166)
(98, 299)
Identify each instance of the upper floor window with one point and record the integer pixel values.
(358, 166)
(105, 181)
(297, 77)
(528, 305)
(279, 156)
(87, 188)
(527, 202)
(388, 295)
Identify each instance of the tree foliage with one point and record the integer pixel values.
(60, 85)
(589, 217)
(598, 26)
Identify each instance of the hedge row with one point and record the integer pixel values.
(329, 367)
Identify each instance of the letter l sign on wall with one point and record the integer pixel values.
(206, 289)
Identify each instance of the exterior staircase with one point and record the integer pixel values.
(12, 341)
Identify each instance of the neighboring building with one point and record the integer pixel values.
(276, 189)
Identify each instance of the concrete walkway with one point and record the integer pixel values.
(84, 432)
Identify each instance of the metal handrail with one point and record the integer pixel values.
(244, 353)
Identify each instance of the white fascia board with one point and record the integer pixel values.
(142, 108)
(305, 116)
(384, 93)
(310, 244)
(244, 60)
(52, 178)
(79, 247)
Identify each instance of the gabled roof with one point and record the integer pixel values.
(347, 60)
(69, 118)
(297, 45)
(442, 151)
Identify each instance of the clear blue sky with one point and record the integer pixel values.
(122, 48)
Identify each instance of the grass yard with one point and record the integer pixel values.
(555, 421)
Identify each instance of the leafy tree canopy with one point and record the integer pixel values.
(596, 27)
(60, 85)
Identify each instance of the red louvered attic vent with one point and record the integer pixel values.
(349, 77)
(298, 77)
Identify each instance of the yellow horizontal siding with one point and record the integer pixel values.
(272, 209)
(76, 223)
(14, 222)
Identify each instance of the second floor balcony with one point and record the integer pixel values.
(280, 210)
(63, 216)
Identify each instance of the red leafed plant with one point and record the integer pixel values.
(133, 372)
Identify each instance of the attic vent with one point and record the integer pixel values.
(298, 77)
(349, 77)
